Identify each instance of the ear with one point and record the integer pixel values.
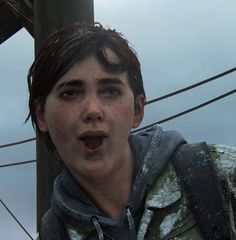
(40, 117)
(138, 110)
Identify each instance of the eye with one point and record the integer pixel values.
(70, 93)
(111, 92)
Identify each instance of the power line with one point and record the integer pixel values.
(17, 163)
(15, 219)
(187, 111)
(152, 101)
(192, 86)
(16, 143)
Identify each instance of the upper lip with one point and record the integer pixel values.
(97, 133)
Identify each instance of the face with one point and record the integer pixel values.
(89, 115)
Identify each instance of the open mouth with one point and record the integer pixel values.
(93, 142)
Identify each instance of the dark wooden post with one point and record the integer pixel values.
(50, 15)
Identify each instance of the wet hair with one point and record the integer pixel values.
(71, 45)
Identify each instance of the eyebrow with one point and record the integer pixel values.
(105, 81)
(71, 83)
(81, 83)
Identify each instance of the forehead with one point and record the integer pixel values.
(91, 70)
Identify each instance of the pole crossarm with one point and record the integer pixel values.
(15, 14)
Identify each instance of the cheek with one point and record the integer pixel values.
(124, 112)
(56, 125)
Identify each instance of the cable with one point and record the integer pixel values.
(18, 163)
(191, 86)
(153, 100)
(19, 12)
(16, 143)
(15, 219)
(186, 111)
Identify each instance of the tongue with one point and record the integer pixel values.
(93, 142)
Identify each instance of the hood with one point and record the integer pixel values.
(151, 150)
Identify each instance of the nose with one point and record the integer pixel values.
(92, 110)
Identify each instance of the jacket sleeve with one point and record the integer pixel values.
(224, 158)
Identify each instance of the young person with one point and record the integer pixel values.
(86, 95)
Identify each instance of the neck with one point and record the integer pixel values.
(111, 192)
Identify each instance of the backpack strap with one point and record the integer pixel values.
(194, 166)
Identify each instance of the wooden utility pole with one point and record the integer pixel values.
(50, 15)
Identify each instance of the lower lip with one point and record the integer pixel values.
(95, 151)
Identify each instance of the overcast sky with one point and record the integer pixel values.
(178, 42)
